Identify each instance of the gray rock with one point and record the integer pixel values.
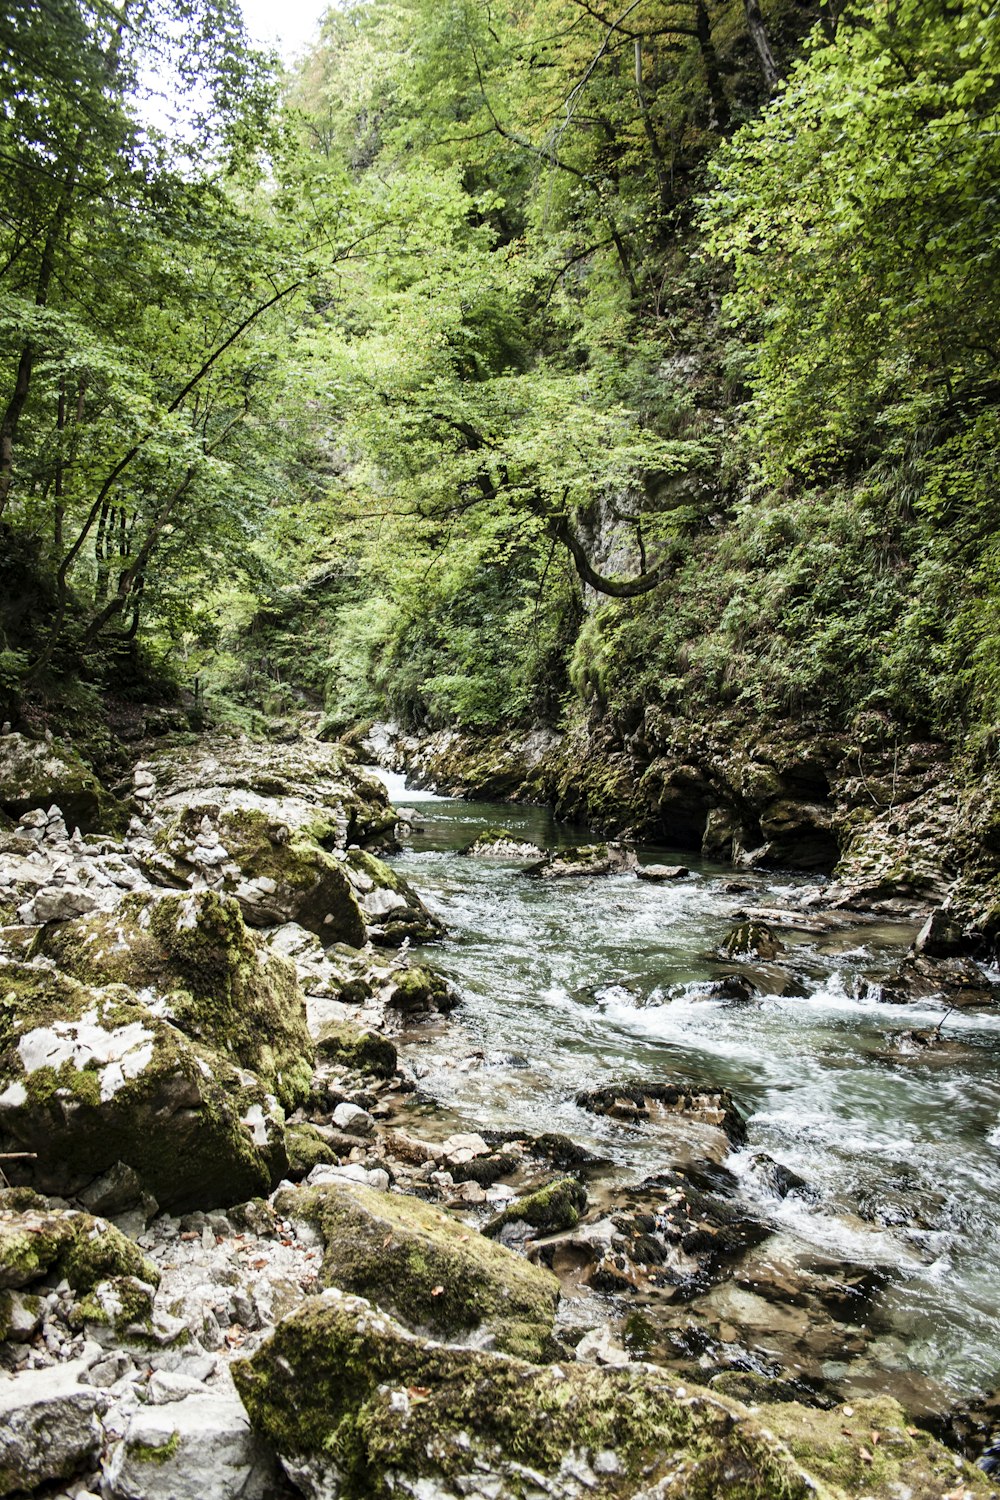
(49, 1426)
(352, 1119)
(203, 1449)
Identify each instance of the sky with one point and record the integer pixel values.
(288, 25)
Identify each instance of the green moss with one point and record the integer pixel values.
(365, 1051)
(177, 1123)
(426, 1268)
(347, 1388)
(225, 987)
(147, 1453)
(307, 1148)
(84, 1250)
(420, 989)
(555, 1207)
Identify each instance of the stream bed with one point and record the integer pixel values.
(569, 984)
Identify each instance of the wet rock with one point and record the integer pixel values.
(90, 1078)
(752, 940)
(35, 774)
(599, 1347)
(779, 1179)
(198, 1448)
(557, 1206)
(737, 987)
(500, 843)
(419, 991)
(220, 984)
(563, 1152)
(658, 874)
(940, 937)
(426, 1268)
(49, 1426)
(392, 910)
(676, 1234)
(652, 1103)
(587, 859)
(957, 981)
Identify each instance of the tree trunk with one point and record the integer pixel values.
(758, 35)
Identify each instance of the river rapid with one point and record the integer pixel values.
(568, 984)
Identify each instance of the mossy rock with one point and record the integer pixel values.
(419, 990)
(37, 1242)
(555, 1207)
(353, 1047)
(751, 940)
(90, 1078)
(226, 988)
(426, 1268)
(307, 1148)
(392, 909)
(40, 773)
(360, 1408)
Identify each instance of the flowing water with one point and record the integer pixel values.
(570, 983)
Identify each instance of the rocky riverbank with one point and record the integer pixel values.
(241, 1255)
(896, 827)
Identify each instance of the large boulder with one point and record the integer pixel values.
(37, 774)
(359, 1408)
(91, 1077)
(427, 1268)
(216, 980)
(277, 870)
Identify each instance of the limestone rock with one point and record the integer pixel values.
(500, 843)
(90, 1078)
(427, 1268)
(40, 773)
(49, 1426)
(557, 1206)
(651, 1103)
(223, 986)
(657, 874)
(392, 909)
(200, 1447)
(347, 1396)
(587, 859)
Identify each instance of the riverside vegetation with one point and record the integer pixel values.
(585, 407)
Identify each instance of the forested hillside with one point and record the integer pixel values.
(558, 365)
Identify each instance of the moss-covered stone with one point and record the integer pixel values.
(555, 1207)
(307, 1148)
(357, 1407)
(40, 773)
(419, 990)
(427, 1268)
(751, 940)
(90, 1077)
(392, 909)
(353, 1047)
(226, 988)
(586, 859)
(84, 1250)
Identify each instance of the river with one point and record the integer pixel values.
(570, 983)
